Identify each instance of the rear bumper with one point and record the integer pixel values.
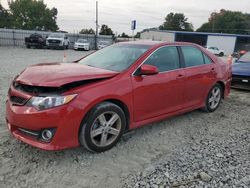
(227, 88)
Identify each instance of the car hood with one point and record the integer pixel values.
(242, 69)
(59, 74)
(49, 38)
(77, 43)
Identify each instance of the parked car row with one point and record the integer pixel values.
(59, 41)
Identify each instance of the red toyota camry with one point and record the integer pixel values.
(125, 86)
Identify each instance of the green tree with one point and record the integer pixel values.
(5, 18)
(124, 35)
(227, 21)
(177, 22)
(105, 30)
(33, 14)
(87, 31)
(138, 35)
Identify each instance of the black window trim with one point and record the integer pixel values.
(207, 57)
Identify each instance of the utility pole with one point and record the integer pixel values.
(214, 16)
(96, 30)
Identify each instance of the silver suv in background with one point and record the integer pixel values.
(82, 44)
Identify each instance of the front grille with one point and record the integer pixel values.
(18, 100)
(54, 41)
(35, 90)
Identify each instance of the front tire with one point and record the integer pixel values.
(103, 127)
(214, 98)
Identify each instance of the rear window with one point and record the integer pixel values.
(192, 56)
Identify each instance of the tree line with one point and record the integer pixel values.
(28, 14)
(35, 15)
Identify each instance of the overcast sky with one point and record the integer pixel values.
(118, 14)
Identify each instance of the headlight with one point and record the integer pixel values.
(42, 103)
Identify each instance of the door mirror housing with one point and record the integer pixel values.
(148, 70)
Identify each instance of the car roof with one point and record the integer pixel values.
(158, 43)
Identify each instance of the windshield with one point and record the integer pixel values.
(245, 58)
(117, 57)
(82, 40)
(56, 35)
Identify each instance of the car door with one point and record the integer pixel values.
(199, 75)
(162, 93)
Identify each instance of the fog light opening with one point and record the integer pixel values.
(47, 135)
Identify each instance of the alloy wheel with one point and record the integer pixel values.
(214, 98)
(105, 129)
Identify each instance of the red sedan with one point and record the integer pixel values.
(122, 87)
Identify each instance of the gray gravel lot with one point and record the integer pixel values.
(192, 150)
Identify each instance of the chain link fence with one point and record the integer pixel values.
(15, 37)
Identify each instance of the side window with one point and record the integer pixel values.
(207, 59)
(165, 59)
(192, 56)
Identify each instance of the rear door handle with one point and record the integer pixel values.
(180, 76)
(212, 69)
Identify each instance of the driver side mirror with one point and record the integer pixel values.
(148, 70)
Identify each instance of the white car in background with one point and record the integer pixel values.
(215, 51)
(102, 44)
(57, 40)
(82, 44)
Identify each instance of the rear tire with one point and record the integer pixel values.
(213, 99)
(103, 127)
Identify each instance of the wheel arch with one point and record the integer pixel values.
(115, 101)
(223, 87)
(124, 107)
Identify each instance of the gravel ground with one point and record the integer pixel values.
(192, 150)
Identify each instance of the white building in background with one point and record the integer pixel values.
(229, 43)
